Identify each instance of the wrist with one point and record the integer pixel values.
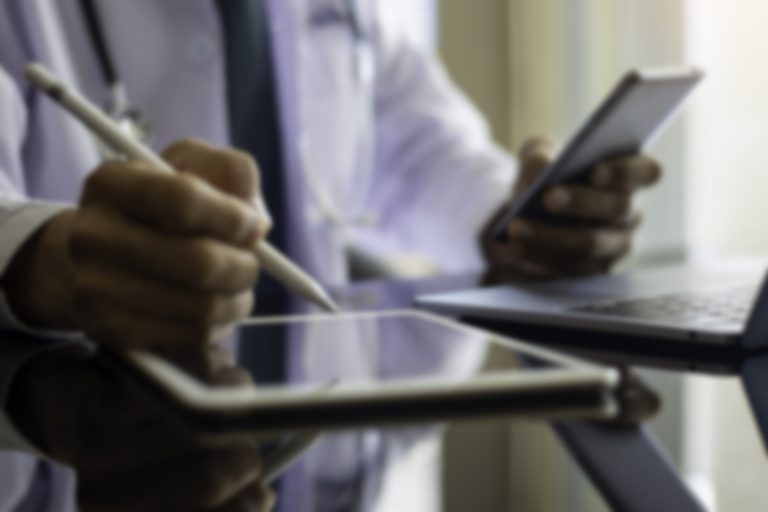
(38, 280)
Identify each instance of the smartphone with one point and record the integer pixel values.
(627, 121)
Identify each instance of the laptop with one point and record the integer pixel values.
(673, 307)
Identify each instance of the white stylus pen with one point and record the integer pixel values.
(274, 262)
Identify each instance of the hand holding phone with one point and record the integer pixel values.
(571, 212)
(628, 120)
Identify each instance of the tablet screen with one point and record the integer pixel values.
(354, 350)
(395, 367)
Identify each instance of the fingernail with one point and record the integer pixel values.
(558, 199)
(601, 176)
(519, 229)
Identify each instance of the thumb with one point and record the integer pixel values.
(536, 155)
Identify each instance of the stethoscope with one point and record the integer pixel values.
(120, 108)
(347, 12)
(327, 13)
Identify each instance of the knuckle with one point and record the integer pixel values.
(242, 218)
(182, 201)
(99, 180)
(183, 145)
(243, 171)
(242, 162)
(204, 262)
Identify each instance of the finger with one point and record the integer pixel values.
(203, 479)
(535, 157)
(175, 203)
(577, 242)
(197, 263)
(514, 262)
(581, 202)
(508, 268)
(232, 376)
(229, 170)
(118, 327)
(160, 299)
(256, 498)
(541, 250)
(539, 145)
(204, 362)
(626, 174)
(212, 364)
(535, 262)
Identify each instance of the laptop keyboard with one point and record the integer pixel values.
(731, 306)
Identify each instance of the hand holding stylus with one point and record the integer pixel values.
(105, 128)
(160, 250)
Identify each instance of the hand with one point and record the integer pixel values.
(587, 228)
(149, 258)
(127, 457)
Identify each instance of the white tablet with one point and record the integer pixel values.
(359, 370)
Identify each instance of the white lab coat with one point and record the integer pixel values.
(402, 145)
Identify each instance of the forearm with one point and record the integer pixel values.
(38, 281)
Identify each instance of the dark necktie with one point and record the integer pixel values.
(255, 128)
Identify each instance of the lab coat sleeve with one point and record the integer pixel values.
(438, 174)
(19, 219)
